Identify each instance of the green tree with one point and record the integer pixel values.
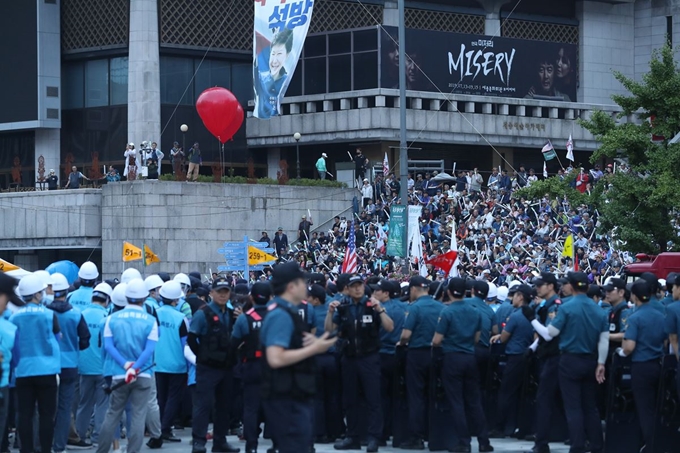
(635, 204)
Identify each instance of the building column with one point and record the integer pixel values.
(144, 83)
(273, 159)
(492, 26)
(390, 14)
(47, 147)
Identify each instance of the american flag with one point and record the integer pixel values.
(386, 166)
(349, 265)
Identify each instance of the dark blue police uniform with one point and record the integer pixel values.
(459, 323)
(643, 328)
(482, 348)
(421, 320)
(396, 310)
(672, 323)
(580, 323)
(359, 327)
(287, 392)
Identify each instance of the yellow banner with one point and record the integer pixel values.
(6, 266)
(131, 253)
(568, 250)
(257, 256)
(150, 257)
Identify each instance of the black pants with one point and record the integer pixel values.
(418, 365)
(645, 384)
(579, 390)
(170, 388)
(327, 410)
(461, 383)
(213, 391)
(388, 374)
(482, 354)
(40, 390)
(511, 386)
(547, 397)
(361, 375)
(290, 423)
(253, 413)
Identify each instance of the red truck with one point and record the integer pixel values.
(661, 265)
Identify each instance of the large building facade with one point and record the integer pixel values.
(84, 77)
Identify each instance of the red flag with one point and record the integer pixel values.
(445, 261)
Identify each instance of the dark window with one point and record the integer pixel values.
(73, 84)
(119, 81)
(365, 40)
(339, 43)
(669, 30)
(295, 87)
(175, 77)
(365, 70)
(315, 75)
(339, 73)
(242, 82)
(211, 73)
(315, 46)
(97, 83)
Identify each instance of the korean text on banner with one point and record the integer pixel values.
(6, 266)
(279, 33)
(131, 252)
(150, 256)
(395, 241)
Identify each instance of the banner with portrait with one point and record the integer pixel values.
(279, 33)
(480, 65)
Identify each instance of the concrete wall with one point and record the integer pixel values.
(50, 219)
(186, 223)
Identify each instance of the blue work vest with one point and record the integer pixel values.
(39, 352)
(170, 350)
(130, 329)
(68, 345)
(90, 361)
(8, 333)
(81, 298)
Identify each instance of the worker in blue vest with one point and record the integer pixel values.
(517, 336)
(93, 399)
(419, 328)
(505, 309)
(459, 327)
(327, 409)
(75, 337)
(387, 293)
(288, 367)
(87, 275)
(210, 339)
(584, 342)
(548, 354)
(644, 343)
(246, 338)
(188, 287)
(130, 338)
(153, 285)
(171, 366)
(39, 363)
(7, 342)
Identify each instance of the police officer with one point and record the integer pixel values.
(75, 337)
(673, 322)
(288, 371)
(615, 292)
(517, 336)
(171, 366)
(387, 293)
(327, 410)
(548, 354)
(130, 337)
(246, 337)
(654, 301)
(505, 309)
(584, 341)
(459, 327)
(7, 339)
(419, 327)
(87, 275)
(39, 364)
(358, 321)
(93, 399)
(480, 291)
(643, 342)
(209, 338)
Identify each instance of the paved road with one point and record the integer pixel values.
(500, 445)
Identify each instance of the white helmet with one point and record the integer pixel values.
(118, 295)
(29, 285)
(183, 279)
(136, 290)
(502, 293)
(103, 288)
(59, 282)
(88, 271)
(44, 276)
(493, 291)
(130, 274)
(153, 282)
(171, 290)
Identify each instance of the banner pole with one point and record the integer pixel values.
(403, 150)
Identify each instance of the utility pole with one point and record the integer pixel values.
(403, 151)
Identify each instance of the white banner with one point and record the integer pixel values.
(278, 36)
(415, 249)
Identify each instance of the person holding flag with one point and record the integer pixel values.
(349, 264)
(570, 149)
(568, 251)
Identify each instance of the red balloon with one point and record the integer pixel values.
(221, 112)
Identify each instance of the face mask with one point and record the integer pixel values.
(47, 298)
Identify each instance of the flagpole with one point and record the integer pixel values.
(403, 151)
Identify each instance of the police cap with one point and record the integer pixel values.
(456, 286)
(642, 289)
(481, 288)
(614, 283)
(578, 280)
